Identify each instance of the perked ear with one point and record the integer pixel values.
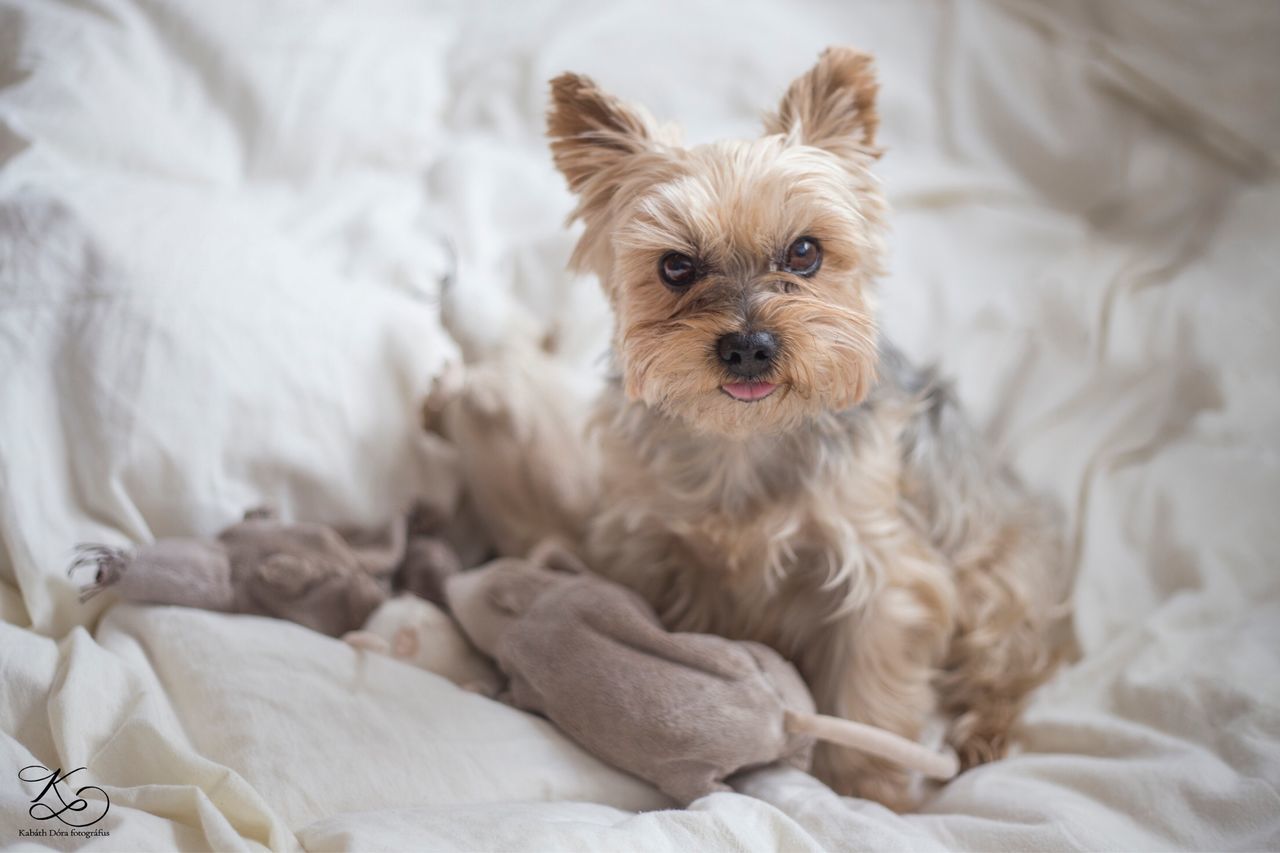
(555, 554)
(591, 130)
(514, 594)
(833, 106)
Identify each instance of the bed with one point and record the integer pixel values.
(241, 242)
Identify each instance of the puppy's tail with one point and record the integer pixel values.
(874, 741)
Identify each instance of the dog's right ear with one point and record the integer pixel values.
(832, 106)
(591, 131)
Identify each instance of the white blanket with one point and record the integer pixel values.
(221, 232)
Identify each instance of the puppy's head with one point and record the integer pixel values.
(739, 271)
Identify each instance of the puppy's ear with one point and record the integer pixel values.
(832, 106)
(592, 131)
(505, 600)
(514, 593)
(555, 554)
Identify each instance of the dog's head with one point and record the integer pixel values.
(739, 272)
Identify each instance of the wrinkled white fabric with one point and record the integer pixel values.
(223, 231)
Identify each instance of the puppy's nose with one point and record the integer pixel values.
(747, 354)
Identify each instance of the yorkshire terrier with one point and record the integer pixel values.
(768, 466)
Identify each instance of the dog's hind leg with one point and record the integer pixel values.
(1005, 644)
(1003, 544)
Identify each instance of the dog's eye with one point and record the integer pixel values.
(677, 270)
(804, 256)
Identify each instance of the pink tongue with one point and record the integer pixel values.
(749, 390)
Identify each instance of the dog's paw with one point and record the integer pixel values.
(854, 774)
(982, 737)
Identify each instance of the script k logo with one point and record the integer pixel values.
(43, 811)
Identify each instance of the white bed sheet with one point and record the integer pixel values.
(220, 254)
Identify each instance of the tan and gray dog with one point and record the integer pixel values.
(683, 711)
(766, 465)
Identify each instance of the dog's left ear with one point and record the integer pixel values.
(832, 106)
(592, 131)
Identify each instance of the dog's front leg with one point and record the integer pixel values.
(876, 666)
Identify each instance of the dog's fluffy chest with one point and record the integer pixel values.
(745, 538)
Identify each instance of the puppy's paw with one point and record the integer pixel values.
(366, 641)
(494, 402)
(488, 397)
(445, 386)
(489, 690)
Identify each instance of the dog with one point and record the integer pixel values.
(766, 465)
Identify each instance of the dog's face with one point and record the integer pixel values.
(739, 272)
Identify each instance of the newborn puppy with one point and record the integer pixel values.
(418, 632)
(684, 711)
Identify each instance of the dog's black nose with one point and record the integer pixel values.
(747, 354)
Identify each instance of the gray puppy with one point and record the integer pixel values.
(683, 711)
